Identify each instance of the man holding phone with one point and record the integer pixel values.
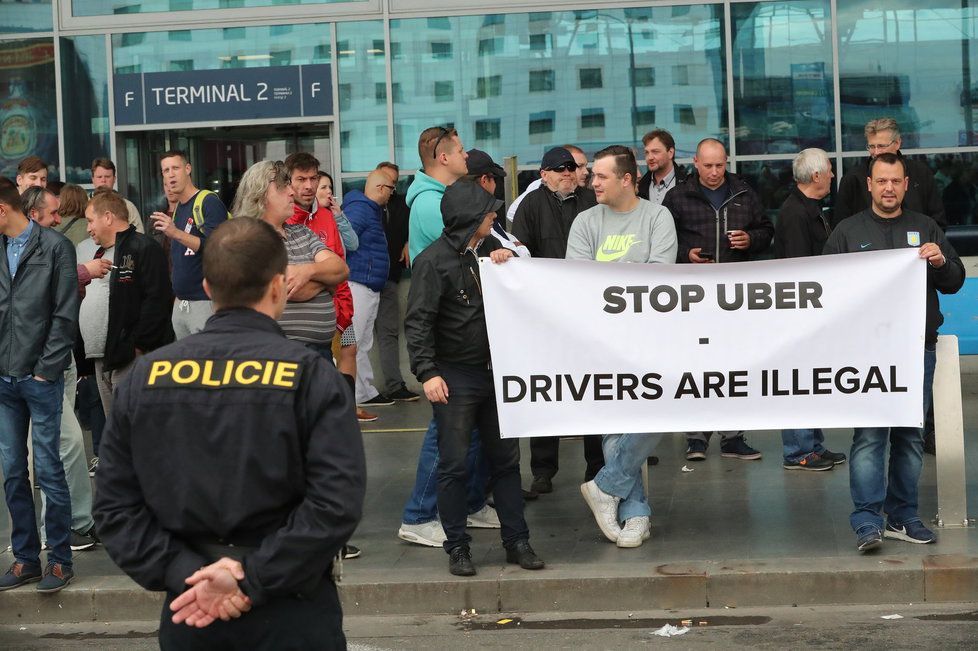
(719, 218)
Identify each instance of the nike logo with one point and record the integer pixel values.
(615, 247)
(863, 246)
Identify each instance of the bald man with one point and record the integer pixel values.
(369, 266)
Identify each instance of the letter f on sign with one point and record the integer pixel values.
(129, 97)
(314, 88)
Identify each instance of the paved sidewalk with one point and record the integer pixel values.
(729, 533)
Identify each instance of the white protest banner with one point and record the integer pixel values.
(583, 347)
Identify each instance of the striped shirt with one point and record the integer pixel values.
(312, 321)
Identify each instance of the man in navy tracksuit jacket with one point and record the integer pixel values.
(875, 493)
(369, 266)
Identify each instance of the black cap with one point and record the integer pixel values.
(556, 157)
(481, 163)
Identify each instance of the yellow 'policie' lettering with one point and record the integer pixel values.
(212, 373)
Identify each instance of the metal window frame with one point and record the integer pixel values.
(204, 18)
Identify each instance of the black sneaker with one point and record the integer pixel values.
(56, 576)
(80, 542)
(460, 562)
(351, 551)
(379, 400)
(542, 485)
(737, 448)
(403, 395)
(520, 553)
(696, 450)
(869, 539)
(19, 574)
(914, 532)
(835, 457)
(811, 462)
(92, 466)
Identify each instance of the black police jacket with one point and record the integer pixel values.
(235, 435)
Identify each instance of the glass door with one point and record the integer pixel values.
(219, 156)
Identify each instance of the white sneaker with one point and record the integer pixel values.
(484, 518)
(635, 531)
(605, 509)
(429, 534)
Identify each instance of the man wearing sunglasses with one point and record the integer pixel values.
(444, 161)
(543, 223)
(923, 196)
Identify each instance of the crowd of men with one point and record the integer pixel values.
(192, 326)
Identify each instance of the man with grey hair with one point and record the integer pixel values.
(801, 231)
(923, 196)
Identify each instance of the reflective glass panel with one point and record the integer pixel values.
(28, 105)
(773, 181)
(782, 67)
(911, 61)
(110, 7)
(26, 16)
(363, 94)
(85, 104)
(523, 83)
(210, 49)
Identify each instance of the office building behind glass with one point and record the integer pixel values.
(767, 78)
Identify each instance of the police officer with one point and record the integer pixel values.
(232, 467)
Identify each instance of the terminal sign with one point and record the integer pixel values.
(223, 95)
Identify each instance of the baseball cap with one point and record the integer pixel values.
(556, 157)
(479, 163)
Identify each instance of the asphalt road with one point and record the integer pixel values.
(924, 626)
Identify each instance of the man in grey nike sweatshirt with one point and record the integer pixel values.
(621, 228)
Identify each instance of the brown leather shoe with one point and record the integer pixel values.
(365, 416)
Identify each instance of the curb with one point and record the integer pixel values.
(700, 584)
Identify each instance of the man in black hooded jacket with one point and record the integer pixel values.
(448, 343)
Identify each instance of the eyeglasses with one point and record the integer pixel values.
(280, 174)
(444, 132)
(872, 148)
(566, 167)
(389, 187)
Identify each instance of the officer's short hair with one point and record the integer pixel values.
(230, 253)
(882, 124)
(888, 159)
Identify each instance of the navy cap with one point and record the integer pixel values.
(481, 163)
(556, 157)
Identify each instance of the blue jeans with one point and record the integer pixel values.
(624, 456)
(38, 403)
(799, 443)
(873, 493)
(422, 506)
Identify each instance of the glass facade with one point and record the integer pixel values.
(26, 16)
(513, 82)
(28, 100)
(115, 7)
(782, 72)
(84, 104)
(362, 76)
(517, 84)
(213, 49)
(911, 63)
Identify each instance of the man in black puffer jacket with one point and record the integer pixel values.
(448, 343)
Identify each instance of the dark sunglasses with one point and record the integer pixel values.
(444, 132)
(566, 167)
